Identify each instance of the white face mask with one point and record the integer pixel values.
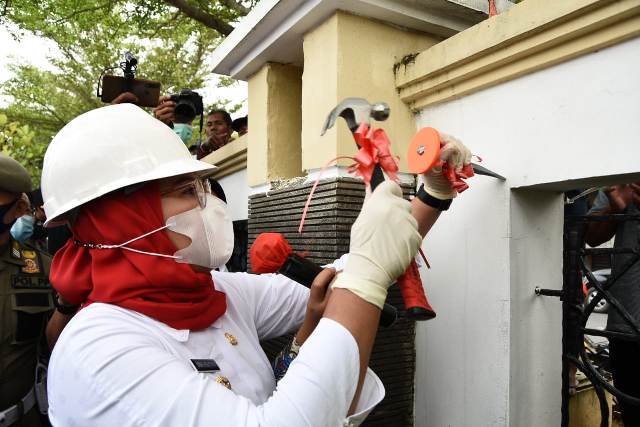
(211, 233)
(210, 230)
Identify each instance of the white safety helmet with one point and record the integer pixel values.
(106, 149)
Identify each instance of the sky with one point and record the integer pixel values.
(34, 50)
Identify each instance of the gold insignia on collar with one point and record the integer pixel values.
(29, 254)
(30, 266)
(232, 340)
(224, 381)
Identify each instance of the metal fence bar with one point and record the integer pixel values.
(571, 297)
(574, 319)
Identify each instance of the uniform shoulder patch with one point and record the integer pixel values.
(15, 250)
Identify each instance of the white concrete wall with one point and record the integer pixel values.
(237, 191)
(573, 121)
(492, 357)
(462, 376)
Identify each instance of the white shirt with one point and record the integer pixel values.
(116, 367)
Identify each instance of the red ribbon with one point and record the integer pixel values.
(456, 178)
(374, 149)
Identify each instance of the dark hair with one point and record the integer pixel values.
(35, 198)
(226, 116)
(240, 122)
(217, 190)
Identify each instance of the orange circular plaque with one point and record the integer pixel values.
(424, 150)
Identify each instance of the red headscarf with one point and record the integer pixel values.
(155, 286)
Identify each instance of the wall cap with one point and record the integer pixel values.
(230, 158)
(530, 36)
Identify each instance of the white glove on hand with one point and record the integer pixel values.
(384, 240)
(457, 155)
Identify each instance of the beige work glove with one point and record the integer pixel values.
(384, 240)
(457, 155)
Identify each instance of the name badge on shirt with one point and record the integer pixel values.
(205, 365)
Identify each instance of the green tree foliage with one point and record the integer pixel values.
(17, 141)
(171, 41)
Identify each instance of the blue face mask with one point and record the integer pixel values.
(3, 211)
(22, 230)
(184, 131)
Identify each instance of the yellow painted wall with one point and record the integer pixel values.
(285, 93)
(319, 93)
(351, 56)
(274, 138)
(257, 136)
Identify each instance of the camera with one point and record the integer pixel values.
(129, 66)
(188, 105)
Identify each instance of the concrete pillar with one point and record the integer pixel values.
(352, 56)
(274, 111)
(536, 260)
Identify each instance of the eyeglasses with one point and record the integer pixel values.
(198, 187)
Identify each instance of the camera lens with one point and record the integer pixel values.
(185, 110)
(188, 105)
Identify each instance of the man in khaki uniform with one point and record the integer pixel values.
(25, 304)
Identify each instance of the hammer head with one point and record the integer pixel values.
(356, 111)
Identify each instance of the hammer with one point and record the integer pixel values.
(356, 111)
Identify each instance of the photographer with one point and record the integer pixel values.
(178, 112)
(182, 125)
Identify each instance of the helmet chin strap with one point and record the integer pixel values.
(123, 245)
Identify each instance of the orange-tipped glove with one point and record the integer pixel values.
(455, 159)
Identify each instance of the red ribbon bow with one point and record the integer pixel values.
(374, 149)
(456, 178)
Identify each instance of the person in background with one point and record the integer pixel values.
(218, 129)
(22, 229)
(624, 354)
(218, 126)
(30, 226)
(241, 125)
(165, 112)
(39, 231)
(25, 305)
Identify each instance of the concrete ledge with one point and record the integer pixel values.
(529, 37)
(230, 158)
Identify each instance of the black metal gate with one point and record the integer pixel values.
(575, 314)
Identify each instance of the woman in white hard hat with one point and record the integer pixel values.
(162, 341)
